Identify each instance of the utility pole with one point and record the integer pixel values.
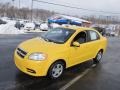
(19, 4)
(32, 10)
(19, 9)
(13, 9)
(13, 2)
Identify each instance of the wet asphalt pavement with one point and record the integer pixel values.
(106, 76)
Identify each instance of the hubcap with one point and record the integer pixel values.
(99, 56)
(57, 70)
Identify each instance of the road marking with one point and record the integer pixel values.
(77, 78)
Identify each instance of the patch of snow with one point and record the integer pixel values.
(6, 19)
(79, 20)
(10, 29)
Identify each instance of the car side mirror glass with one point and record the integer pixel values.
(76, 44)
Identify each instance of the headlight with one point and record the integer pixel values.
(38, 56)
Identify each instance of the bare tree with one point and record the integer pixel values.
(23, 13)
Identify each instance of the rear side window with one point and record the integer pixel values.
(93, 35)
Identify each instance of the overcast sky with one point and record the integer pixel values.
(100, 5)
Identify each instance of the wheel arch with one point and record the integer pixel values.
(59, 60)
(102, 50)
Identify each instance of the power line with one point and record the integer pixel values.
(74, 7)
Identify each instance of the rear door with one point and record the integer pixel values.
(93, 43)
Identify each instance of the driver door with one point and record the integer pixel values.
(79, 54)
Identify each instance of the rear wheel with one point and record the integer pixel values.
(98, 57)
(56, 70)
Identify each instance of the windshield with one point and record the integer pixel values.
(58, 35)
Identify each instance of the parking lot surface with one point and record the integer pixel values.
(104, 76)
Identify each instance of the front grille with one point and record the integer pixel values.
(21, 52)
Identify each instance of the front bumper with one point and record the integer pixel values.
(30, 67)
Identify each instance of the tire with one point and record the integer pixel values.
(98, 57)
(56, 70)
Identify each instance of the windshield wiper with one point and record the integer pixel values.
(48, 40)
(45, 39)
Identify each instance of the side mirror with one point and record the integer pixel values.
(76, 44)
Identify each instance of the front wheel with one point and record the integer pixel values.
(98, 57)
(56, 70)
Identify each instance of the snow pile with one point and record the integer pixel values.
(10, 29)
(74, 19)
(6, 19)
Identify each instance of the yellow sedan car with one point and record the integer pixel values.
(58, 49)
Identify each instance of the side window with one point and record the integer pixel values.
(93, 35)
(81, 37)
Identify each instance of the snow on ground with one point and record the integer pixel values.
(10, 29)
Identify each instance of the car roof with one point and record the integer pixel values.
(78, 28)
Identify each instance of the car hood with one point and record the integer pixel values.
(40, 45)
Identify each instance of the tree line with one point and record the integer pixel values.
(102, 19)
(7, 10)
